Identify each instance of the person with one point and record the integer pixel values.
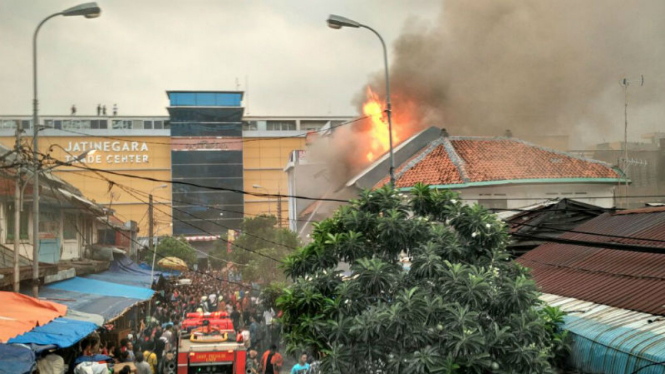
(73, 110)
(235, 318)
(99, 109)
(142, 367)
(104, 110)
(130, 351)
(252, 363)
(125, 370)
(254, 332)
(302, 366)
(150, 357)
(115, 109)
(272, 361)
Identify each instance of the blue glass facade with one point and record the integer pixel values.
(206, 137)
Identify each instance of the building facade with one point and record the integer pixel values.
(205, 140)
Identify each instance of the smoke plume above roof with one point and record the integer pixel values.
(535, 67)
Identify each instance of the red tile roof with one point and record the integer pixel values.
(619, 278)
(459, 160)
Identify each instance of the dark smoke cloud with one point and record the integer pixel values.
(540, 68)
(537, 67)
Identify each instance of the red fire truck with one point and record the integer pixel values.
(208, 344)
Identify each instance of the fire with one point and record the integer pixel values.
(378, 134)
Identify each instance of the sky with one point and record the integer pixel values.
(292, 62)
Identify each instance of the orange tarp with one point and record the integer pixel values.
(20, 313)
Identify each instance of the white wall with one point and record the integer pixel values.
(520, 195)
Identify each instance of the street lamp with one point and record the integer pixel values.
(87, 10)
(258, 187)
(337, 22)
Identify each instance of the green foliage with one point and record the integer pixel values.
(259, 234)
(461, 307)
(174, 247)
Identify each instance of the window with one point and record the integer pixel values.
(281, 125)
(94, 124)
(159, 125)
(121, 124)
(57, 124)
(103, 124)
(147, 125)
(69, 230)
(10, 223)
(312, 125)
(250, 126)
(26, 124)
(7, 124)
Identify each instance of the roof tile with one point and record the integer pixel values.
(483, 159)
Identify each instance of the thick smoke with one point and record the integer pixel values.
(536, 67)
(540, 68)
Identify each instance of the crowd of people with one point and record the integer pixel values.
(152, 344)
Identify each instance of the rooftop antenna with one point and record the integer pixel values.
(625, 82)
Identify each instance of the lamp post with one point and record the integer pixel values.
(87, 10)
(337, 22)
(258, 187)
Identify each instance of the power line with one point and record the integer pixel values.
(258, 194)
(126, 189)
(586, 232)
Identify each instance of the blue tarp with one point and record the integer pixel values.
(16, 359)
(125, 271)
(62, 332)
(106, 306)
(97, 287)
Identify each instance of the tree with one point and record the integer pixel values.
(254, 252)
(174, 247)
(462, 306)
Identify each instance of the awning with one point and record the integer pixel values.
(21, 313)
(87, 317)
(98, 287)
(81, 201)
(16, 359)
(62, 332)
(107, 307)
(125, 271)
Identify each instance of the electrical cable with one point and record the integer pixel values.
(211, 234)
(586, 232)
(194, 226)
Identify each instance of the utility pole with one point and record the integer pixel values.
(17, 209)
(279, 208)
(625, 83)
(150, 230)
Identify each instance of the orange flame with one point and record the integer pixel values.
(378, 134)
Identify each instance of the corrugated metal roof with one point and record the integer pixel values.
(619, 278)
(611, 340)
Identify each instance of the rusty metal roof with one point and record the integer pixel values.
(618, 278)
